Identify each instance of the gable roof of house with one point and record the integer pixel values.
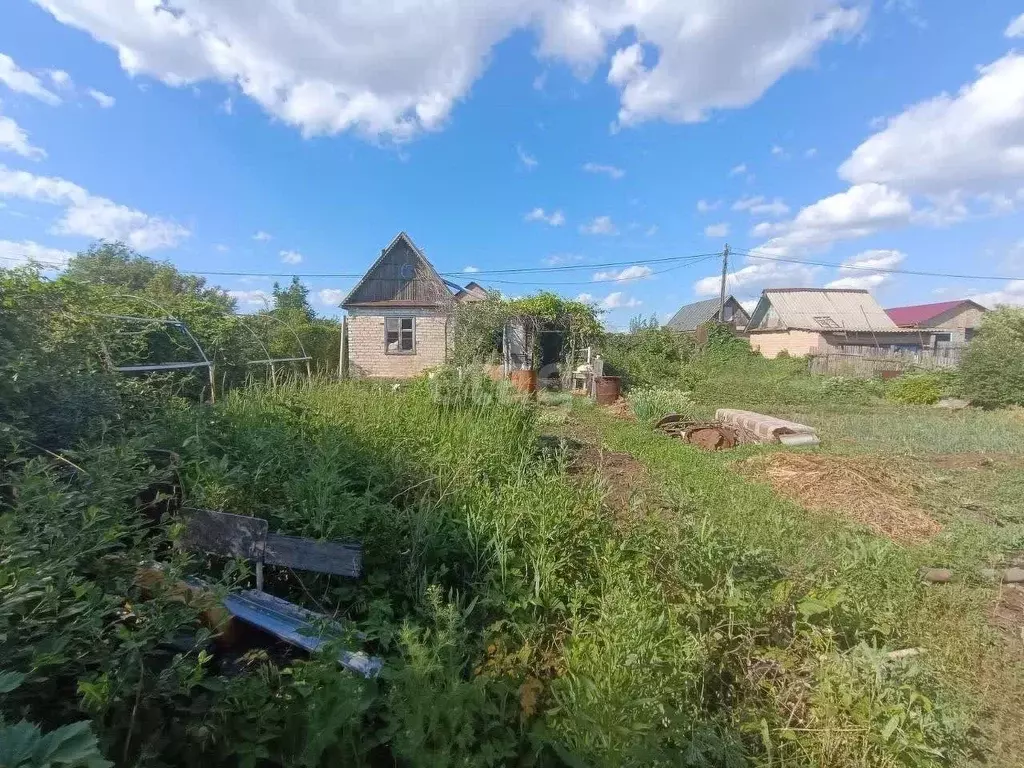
(921, 314)
(691, 316)
(402, 276)
(472, 291)
(820, 309)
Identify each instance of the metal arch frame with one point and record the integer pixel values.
(305, 356)
(168, 320)
(270, 361)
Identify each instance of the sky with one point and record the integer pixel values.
(825, 141)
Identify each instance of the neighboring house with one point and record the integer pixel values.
(473, 291)
(691, 316)
(399, 315)
(951, 323)
(802, 321)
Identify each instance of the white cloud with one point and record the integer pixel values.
(601, 225)
(331, 297)
(322, 67)
(738, 170)
(252, 300)
(758, 206)
(778, 151)
(227, 106)
(635, 272)
(540, 81)
(554, 219)
(1012, 294)
(610, 170)
(717, 230)
(857, 271)
(14, 139)
(651, 231)
(291, 257)
(559, 259)
(703, 206)
(102, 99)
(20, 81)
(859, 211)
(586, 298)
(751, 279)
(875, 259)
(60, 78)
(858, 282)
(709, 54)
(1016, 28)
(262, 236)
(470, 270)
(528, 161)
(222, 248)
(87, 215)
(14, 254)
(810, 153)
(618, 300)
(969, 143)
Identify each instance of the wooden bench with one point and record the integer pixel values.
(249, 538)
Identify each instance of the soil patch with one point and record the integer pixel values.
(856, 488)
(1008, 614)
(620, 410)
(624, 477)
(976, 461)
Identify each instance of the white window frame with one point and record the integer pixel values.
(394, 325)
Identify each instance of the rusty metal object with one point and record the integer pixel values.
(707, 435)
(607, 389)
(524, 381)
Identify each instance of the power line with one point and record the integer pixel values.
(691, 259)
(919, 273)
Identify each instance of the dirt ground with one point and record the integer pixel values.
(857, 488)
(1008, 614)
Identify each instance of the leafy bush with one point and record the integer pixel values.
(913, 390)
(651, 404)
(992, 371)
(648, 355)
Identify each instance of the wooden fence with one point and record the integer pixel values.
(866, 362)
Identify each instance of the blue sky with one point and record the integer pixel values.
(525, 134)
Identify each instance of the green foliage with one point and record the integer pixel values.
(649, 405)
(293, 299)
(992, 370)
(23, 745)
(915, 389)
(479, 325)
(648, 355)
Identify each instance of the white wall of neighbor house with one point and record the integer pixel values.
(366, 353)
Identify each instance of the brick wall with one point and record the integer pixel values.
(366, 354)
(796, 343)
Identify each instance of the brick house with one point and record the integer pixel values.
(806, 321)
(952, 323)
(399, 315)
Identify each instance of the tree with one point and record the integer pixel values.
(992, 372)
(293, 299)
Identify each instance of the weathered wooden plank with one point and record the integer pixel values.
(220, 533)
(296, 625)
(310, 555)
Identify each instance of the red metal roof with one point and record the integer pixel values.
(920, 314)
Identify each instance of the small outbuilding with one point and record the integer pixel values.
(804, 321)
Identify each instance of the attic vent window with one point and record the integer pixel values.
(408, 271)
(826, 322)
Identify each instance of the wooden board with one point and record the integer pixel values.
(309, 555)
(219, 533)
(297, 626)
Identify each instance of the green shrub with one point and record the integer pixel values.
(915, 389)
(651, 404)
(648, 355)
(992, 371)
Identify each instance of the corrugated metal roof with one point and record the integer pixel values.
(920, 314)
(691, 316)
(821, 309)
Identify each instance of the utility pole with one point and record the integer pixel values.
(725, 269)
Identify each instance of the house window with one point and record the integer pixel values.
(400, 335)
(826, 322)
